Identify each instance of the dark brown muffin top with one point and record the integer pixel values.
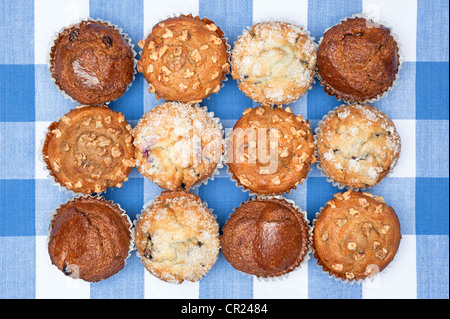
(90, 238)
(265, 237)
(92, 62)
(357, 60)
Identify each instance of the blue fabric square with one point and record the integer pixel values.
(320, 103)
(17, 93)
(130, 196)
(17, 207)
(432, 206)
(319, 192)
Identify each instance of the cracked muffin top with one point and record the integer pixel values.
(178, 145)
(92, 62)
(357, 60)
(184, 59)
(357, 146)
(356, 235)
(274, 62)
(89, 149)
(177, 237)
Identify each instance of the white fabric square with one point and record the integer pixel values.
(406, 165)
(155, 288)
(293, 11)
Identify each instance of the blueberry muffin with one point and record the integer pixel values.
(274, 62)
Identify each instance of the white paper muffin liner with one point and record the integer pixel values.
(124, 213)
(74, 24)
(310, 238)
(304, 31)
(401, 58)
(228, 49)
(328, 178)
(371, 279)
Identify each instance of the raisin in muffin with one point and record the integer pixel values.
(177, 237)
(178, 145)
(266, 237)
(357, 60)
(89, 149)
(90, 238)
(92, 62)
(357, 146)
(270, 150)
(274, 62)
(184, 59)
(355, 236)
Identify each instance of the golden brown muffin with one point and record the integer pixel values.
(178, 145)
(89, 149)
(90, 238)
(356, 235)
(92, 62)
(270, 150)
(265, 237)
(274, 62)
(357, 146)
(184, 59)
(177, 237)
(357, 60)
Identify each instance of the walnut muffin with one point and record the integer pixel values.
(270, 150)
(355, 236)
(274, 62)
(357, 60)
(178, 145)
(89, 149)
(90, 238)
(357, 146)
(184, 59)
(265, 237)
(92, 62)
(177, 237)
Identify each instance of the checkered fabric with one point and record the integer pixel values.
(418, 189)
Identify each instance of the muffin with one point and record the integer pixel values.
(355, 236)
(265, 237)
(92, 62)
(184, 59)
(178, 145)
(274, 62)
(357, 60)
(90, 238)
(89, 149)
(177, 237)
(270, 150)
(357, 146)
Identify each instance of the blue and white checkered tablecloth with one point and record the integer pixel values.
(418, 189)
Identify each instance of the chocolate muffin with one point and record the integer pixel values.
(274, 62)
(89, 149)
(270, 150)
(355, 236)
(265, 237)
(357, 146)
(177, 237)
(178, 145)
(90, 238)
(184, 59)
(92, 62)
(357, 60)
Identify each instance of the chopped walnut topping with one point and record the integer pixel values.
(337, 267)
(217, 88)
(196, 55)
(166, 70)
(141, 44)
(154, 56)
(195, 85)
(353, 211)
(78, 184)
(115, 151)
(56, 166)
(358, 256)
(128, 162)
(150, 68)
(97, 188)
(163, 50)
(211, 27)
(167, 34)
(215, 75)
(244, 181)
(351, 245)
(325, 235)
(349, 275)
(385, 229)
(341, 222)
(382, 253)
(364, 203)
(151, 88)
(347, 194)
(57, 133)
(151, 45)
(184, 35)
(65, 119)
(188, 73)
(285, 152)
(276, 180)
(66, 147)
(276, 119)
(254, 124)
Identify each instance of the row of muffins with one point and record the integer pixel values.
(177, 45)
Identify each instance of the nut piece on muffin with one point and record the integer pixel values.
(178, 145)
(274, 62)
(357, 60)
(89, 149)
(355, 236)
(266, 237)
(90, 238)
(92, 62)
(270, 150)
(357, 146)
(177, 237)
(184, 59)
